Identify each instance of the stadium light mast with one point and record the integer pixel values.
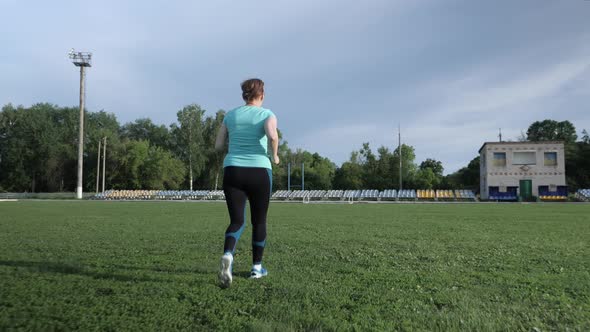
(82, 60)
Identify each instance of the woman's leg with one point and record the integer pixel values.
(259, 192)
(235, 198)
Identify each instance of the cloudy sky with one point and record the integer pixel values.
(338, 73)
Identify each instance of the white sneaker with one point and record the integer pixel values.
(257, 274)
(225, 271)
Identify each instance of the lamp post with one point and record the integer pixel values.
(98, 166)
(104, 161)
(82, 60)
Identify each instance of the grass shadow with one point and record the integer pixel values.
(77, 269)
(196, 270)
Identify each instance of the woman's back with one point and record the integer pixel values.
(248, 144)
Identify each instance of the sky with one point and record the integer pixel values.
(337, 73)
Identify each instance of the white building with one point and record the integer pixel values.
(509, 170)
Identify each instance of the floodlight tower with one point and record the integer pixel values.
(82, 60)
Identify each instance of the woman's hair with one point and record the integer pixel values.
(252, 89)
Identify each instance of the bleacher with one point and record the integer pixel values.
(388, 195)
(509, 195)
(316, 194)
(369, 194)
(298, 194)
(128, 194)
(334, 195)
(445, 195)
(182, 194)
(583, 194)
(406, 194)
(280, 194)
(330, 195)
(352, 194)
(216, 195)
(559, 194)
(462, 194)
(426, 194)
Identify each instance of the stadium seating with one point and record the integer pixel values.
(369, 194)
(388, 194)
(509, 195)
(583, 194)
(316, 194)
(127, 195)
(298, 194)
(352, 194)
(182, 194)
(281, 194)
(425, 194)
(551, 196)
(407, 194)
(308, 195)
(462, 194)
(216, 194)
(445, 195)
(334, 194)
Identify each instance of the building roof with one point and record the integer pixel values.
(519, 143)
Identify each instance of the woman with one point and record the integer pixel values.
(247, 174)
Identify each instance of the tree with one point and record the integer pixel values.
(408, 166)
(211, 176)
(465, 178)
(190, 145)
(349, 175)
(161, 170)
(551, 130)
(435, 165)
(132, 163)
(145, 129)
(426, 179)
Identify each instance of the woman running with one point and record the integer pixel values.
(247, 174)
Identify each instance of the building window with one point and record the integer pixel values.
(500, 159)
(550, 158)
(524, 158)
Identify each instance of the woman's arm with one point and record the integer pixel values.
(270, 127)
(220, 140)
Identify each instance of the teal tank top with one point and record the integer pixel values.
(248, 144)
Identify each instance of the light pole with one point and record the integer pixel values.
(98, 166)
(82, 60)
(104, 161)
(399, 148)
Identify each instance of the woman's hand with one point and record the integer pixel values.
(275, 159)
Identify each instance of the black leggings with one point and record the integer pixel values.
(241, 184)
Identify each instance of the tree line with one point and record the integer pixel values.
(38, 153)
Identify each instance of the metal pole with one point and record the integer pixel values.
(399, 148)
(190, 153)
(98, 167)
(81, 136)
(302, 176)
(289, 177)
(104, 161)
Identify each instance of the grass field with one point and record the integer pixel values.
(152, 266)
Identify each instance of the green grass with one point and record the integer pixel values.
(152, 266)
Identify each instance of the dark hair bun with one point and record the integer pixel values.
(252, 89)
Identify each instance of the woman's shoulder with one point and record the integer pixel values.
(247, 108)
(267, 112)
